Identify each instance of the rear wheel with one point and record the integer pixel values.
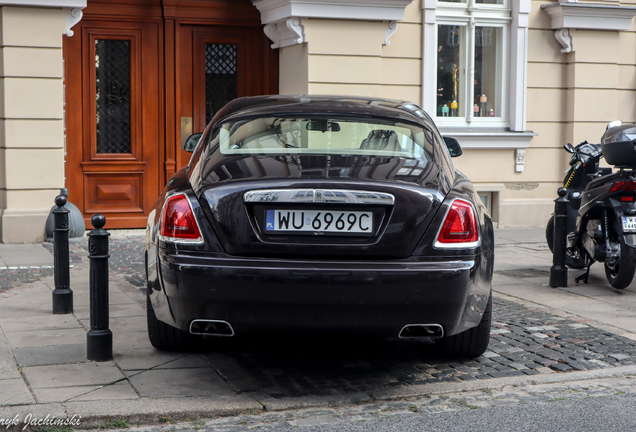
(163, 336)
(622, 274)
(549, 233)
(472, 342)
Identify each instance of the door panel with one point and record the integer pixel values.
(216, 65)
(116, 164)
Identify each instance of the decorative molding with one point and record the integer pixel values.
(285, 32)
(282, 18)
(590, 16)
(476, 139)
(564, 37)
(390, 31)
(520, 156)
(45, 3)
(73, 18)
(367, 10)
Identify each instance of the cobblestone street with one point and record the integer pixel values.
(524, 341)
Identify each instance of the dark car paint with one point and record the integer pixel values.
(253, 285)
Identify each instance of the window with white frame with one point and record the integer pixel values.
(472, 63)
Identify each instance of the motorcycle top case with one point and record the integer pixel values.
(619, 147)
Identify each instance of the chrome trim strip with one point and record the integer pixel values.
(178, 240)
(326, 196)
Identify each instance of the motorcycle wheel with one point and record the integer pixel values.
(570, 261)
(549, 233)
(623, 272)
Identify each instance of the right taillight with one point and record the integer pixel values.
(623, 186)
(178, 224)
(460, 227)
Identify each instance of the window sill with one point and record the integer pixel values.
(488, 138)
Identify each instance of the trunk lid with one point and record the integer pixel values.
(340, 207)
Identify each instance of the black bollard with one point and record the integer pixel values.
(62, 294)
(558, 271)
(99, 339)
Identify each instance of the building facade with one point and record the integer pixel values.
(99, 96)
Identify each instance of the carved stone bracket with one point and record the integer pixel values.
(390, 31)
(74, 17)
(285, 32)
(570, 14)
(564, 37)
(520, 156)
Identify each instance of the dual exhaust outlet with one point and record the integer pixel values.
(204, 327)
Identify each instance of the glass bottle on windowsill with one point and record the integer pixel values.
(483, 101)
(453, 106)
(445, 110)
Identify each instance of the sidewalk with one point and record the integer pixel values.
(540, 334)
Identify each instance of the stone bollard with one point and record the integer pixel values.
(62, 294)
(558, 271)
(99, 339)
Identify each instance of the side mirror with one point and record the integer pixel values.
(453, 146)
(191, 142)
(569, 148)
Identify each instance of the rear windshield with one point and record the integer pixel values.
(322, 135)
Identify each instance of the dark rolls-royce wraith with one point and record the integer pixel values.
(320, 214)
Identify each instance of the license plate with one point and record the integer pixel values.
(629, 223)
(328, 221)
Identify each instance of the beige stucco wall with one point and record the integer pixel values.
(31, 119)
(570, 97)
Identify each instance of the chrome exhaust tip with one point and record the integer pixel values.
(421, 330)
(203, 327)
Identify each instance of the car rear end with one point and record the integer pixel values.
(371, 240)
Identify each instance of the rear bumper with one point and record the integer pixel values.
(373, 297)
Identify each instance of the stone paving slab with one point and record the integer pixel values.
(120, 391)
(25, 255)
(50, 355)
(72, 375)
(39, 323)
(65, 336)
(167, 383)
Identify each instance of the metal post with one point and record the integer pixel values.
(558, 271)
(62, 294)
(99, 339)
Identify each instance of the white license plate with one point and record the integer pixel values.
(319, 221)
(629, 223)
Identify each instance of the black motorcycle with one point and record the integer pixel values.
(601, 221)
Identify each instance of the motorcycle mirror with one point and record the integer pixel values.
(613, 124)
(569, 148)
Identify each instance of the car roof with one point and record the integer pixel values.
(264, 106)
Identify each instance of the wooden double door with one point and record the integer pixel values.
(140, 77)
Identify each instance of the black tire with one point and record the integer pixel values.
(472, 342)
(549, 233)
(165, 337)
(623, 272)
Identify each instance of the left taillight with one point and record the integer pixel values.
(178, 224)
(460, 228)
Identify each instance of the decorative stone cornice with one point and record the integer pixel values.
(586, 16)
(283, 18)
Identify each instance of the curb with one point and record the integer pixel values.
(168, 410)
